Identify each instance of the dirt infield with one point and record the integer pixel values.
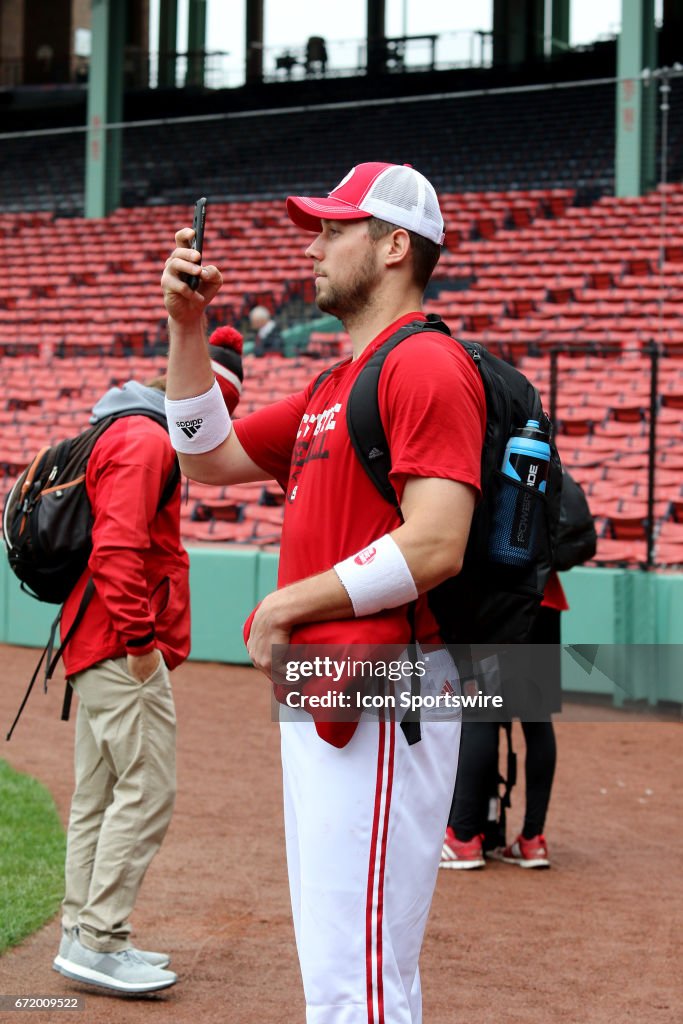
(595, 940)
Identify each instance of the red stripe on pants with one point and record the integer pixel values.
(375, 950)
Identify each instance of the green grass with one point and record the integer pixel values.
(32, 844)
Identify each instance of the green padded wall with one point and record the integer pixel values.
(636, 618)
(266, 573)
(596, 612)
(223, 593)
(225, 584)
(595, 616)
(27, 621)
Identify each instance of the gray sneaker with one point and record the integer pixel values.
(125, 971)
(155, 959)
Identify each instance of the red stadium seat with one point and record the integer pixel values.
(269, 514)
(670, 555)
(545, 273)
(217, 509)
(619, 552)
(671, 532)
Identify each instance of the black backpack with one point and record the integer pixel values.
(486, 603)
(47, 527)
(576, 537)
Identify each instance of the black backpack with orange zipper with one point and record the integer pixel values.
(47, 528)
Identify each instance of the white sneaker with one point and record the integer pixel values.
(125, 971)
(155, 959)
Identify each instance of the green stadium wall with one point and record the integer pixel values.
(641, 614)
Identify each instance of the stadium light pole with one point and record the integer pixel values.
(196, 43)
(105, 107)
(664, 91)
(655, 346)
(634, 171)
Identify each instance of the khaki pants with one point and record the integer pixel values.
(123, 801)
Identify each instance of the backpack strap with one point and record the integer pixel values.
(51, 662)
(170, 485)
(510, 770)
(87, 597)
(363, 418)
(410, 723)
(33, 677)
(369, 441)
(499, 803)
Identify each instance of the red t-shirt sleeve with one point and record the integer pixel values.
(268, 436)
(433, 410)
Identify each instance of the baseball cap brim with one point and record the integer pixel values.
(307, 211)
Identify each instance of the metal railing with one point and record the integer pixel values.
(220, 69)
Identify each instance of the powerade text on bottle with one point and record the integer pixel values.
(515, 523)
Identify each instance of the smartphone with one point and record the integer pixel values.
(198, 242)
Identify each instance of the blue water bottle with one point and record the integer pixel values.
(515, 521)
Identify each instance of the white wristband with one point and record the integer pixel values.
(377, 577)
(197, 425)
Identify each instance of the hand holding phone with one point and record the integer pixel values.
(198, 242)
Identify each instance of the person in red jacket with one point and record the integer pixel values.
(135, 630)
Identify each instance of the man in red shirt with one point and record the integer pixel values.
(365, 810)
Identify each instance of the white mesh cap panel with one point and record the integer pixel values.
(432, 212)
(401, 195)
(397, 186)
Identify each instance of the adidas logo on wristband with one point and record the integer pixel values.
(206, 413)
(189, 427)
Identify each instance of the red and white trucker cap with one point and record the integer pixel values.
(396, 193)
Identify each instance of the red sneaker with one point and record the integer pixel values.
(528, 853)
(456, 854)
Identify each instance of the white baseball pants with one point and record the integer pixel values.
(364, 828)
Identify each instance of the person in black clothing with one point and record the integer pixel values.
(267, 337)
(539, 694)
(477, 780)
(316, 56)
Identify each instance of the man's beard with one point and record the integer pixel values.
(351, 298)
